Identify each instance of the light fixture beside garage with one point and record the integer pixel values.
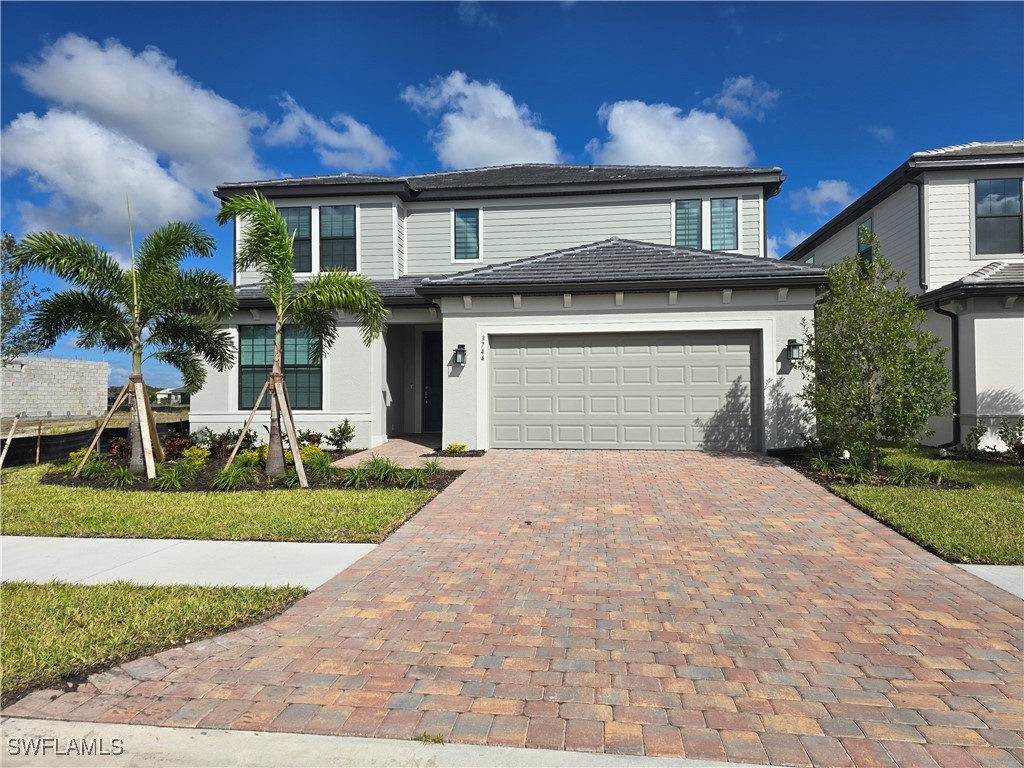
(794, 350)
(459, 355)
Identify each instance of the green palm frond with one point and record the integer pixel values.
(71, 258)
(205, 292)
(198, 334)
(99, 319)
(331, 291)
(193, 373)
(266, 243)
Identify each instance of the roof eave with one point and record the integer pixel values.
(965, 291)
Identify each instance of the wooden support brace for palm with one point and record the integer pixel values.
(10, 436)
(284, 409)
(118, 402)
(141, 402)
(248, 421)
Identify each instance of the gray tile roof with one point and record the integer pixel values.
(501, 176)
(997, 278)
(400, 292)
(615, 263)
(976, 149)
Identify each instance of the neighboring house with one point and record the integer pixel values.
(951, 220)
(539, 306)
(172, 396)
(50, 387)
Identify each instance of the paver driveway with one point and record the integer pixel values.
(712, 606)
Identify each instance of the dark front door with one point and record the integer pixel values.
(433, 368)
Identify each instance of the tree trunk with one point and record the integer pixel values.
(138, 465)
(275, 448)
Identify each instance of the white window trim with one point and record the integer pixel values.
(479, 235)
(974, 255)
(316, 250)
(739, 226)
(675, 204)
(856, 232)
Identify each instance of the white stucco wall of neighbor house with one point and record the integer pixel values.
(992, 351)
(775, 317)
(50, 387)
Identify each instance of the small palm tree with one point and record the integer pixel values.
(267, 248)
(153, 310)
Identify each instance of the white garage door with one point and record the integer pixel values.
(673, 390)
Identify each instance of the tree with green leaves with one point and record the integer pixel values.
(267, 248)
(153, 310)
(873, 374)
(18, 299)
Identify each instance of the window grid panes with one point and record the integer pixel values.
(997, 222)
(298, 221)
(688, 224)
(338, 237)
(724, 225)
(864, 232)
(467, 234)
(303, 374)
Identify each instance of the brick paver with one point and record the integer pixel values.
(682, 604)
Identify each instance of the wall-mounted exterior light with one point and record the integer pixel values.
(459, 355)
(794, 350)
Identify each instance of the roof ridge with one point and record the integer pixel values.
(968, 145)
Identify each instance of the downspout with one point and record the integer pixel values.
(955, 355)
(922, 265)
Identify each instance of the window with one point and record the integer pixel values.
(302, 373)
(297, 220)
(338, 237)
(688, 224)
(997, 222)
(724, 225)
(864, 233)
(467, 234)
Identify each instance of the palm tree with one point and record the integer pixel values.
(267, 248)
(154, 310)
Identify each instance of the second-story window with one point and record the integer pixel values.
(338, 237)
(864, 233)
(688, 224)
(467, 234)
(297, 220)
(724, 225)
(997, 220)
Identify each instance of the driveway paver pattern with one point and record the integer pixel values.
(709, 606)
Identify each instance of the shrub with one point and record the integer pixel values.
(935, 472)
(119, 477)
(856, 471)
(221, 444)
(414, 478)
(318, 463)
(903, 473)
(176, 477)
(290, 478)
(195, 456)
(456, 449)
(234, 478)
(820, 462)
(341, 435)
(1011, 433)
(174, 445)
(972, 443)
(355, 477)
(382, 469)
(432, 467)
(308, 437)
(74, 459)
(96, 469)
(119, 448)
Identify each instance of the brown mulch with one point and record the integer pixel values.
(442, 454)
(882, 476)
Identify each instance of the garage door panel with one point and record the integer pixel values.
(631, 390)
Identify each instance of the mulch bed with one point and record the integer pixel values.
(988, 457)
(443, 454)
(882, 477)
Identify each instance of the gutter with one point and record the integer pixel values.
(955, 355)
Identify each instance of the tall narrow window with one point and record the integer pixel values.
(303, 373)
(688, 224)
(338, 237)
(467, 234)
(997, 221)
(864, 233)
(297, 220)
(724, 225)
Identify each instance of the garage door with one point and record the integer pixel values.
(623, 390)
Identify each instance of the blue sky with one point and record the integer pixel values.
(165, 100)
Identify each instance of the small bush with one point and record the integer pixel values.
(341, 435)
(174, 445)
(119, 448)
(382, 469)
(318, 464)
(247, 460)
(355, 477)
(1011, 433)
(196, 456)
(175, 478)
(935, 472)
(290, 478)
(307, 437)
(820, 462)
(972, 443)
(856, 471)
(220, 444)
(456, 449)
(432, 467)
(903, 474)
(414, 478)
(234, 478)
(74, 459)
(96, 469)
(119, 477)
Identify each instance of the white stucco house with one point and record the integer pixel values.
(539, 306)
(950, 218)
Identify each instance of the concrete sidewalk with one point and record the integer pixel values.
(1008, 577)
(175, 561)
(145, 745)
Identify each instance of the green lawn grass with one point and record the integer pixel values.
(51, 632)
(31, 508)
(984, 524)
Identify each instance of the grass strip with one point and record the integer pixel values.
(53, 632)
(365, 516)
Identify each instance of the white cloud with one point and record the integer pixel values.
(660, 134)
(472, 13)
(145, 97)
(344, 143)
(87, 169)
(480, 124)
(828, 196)
(742, 97)
(789, 239)
(882, 133)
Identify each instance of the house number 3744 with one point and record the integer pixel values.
(483, 345)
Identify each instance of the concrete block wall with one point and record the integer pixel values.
(40, 387)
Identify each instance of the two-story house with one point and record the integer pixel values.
(539, 306)
(950, 218)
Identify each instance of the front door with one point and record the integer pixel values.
(433, 368)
